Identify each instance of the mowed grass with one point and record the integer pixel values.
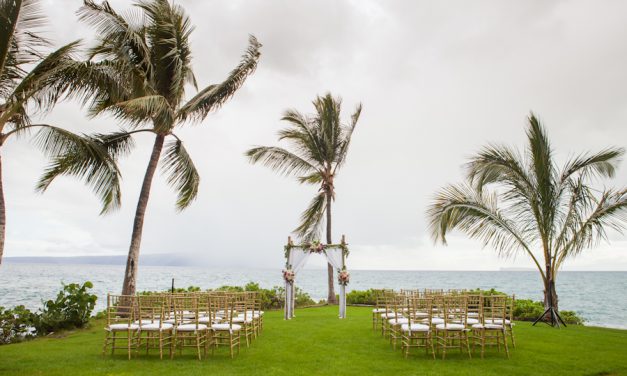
(316, 342)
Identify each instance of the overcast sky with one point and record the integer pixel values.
(437, 80)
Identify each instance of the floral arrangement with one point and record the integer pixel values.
(316, 246)
(288, 275)
(343, 277)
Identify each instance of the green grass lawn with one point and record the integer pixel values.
(317, 342)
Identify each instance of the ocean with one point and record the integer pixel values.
(600, 297)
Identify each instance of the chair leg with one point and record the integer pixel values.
(511, 334)
(128, 344)
(104, 346)
(465, 334)
(505, 343)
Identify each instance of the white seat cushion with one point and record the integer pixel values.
(240, 320)
(170, 321)
(155, 327)
(434, 320)
(389, 315)
(144, 322)
(421, 314)
(379, 310)
(234, 328)
(415, 328)
(450, 327)
(487, 326)
(471, 321)
(497, 321)
(473, 314)
(206, 320)
(400, 320)
(121, 327)
(190, 327)
(255, 312)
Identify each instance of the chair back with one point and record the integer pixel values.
(121, 309)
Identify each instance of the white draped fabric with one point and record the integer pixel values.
(297, 259)
(335, 258)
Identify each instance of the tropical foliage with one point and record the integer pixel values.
(138, 72)
(71, 309)
(525, 203)
(32, 80)
(319, 144)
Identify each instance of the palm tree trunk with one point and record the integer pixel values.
(550, 294)
(3, 217)
(130, 276)
(331, 299)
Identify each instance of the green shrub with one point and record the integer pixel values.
(361, 297)
(71, 309)
(16, 324)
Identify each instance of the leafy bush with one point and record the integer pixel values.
(270, 298)
(71, 309)
(16, 324)
(361, 297)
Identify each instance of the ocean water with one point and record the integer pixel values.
(600, 297)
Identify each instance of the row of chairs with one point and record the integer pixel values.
(439, 320)
(170, 322)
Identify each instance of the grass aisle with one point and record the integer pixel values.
(317, 342)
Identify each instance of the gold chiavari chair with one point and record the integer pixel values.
(244, 318)
(473, 307)
(509, 318)
(491, 330)
(418, 333)
(121, 312)
(255, 312)
(379, 308)
(188, 332)
(388, 304)
(153, 331)
(226, 333)
(453, 332)
(394, 323)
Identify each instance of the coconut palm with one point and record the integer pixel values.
(525, 203)
(33, 80)
(138, 71)
(320, 146)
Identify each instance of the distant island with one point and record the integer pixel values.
(166, 259)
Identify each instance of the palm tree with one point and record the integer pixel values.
(138, 72)
(320, 146)
(525, 203)
(38, 89)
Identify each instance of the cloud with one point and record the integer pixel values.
(437, 80)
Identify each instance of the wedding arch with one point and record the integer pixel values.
(295, 258)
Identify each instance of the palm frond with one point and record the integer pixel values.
(313, 178)
(544, 174)
(19, 41)
(603, 164)
(115, 30)
(478, 216)
(42, 86)
(138, 111)
(280, 160)
(214, 96)
(610, 211)
(346, 138)
(82, 157)
(311, 219)
(117, 144)
(182, 174)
